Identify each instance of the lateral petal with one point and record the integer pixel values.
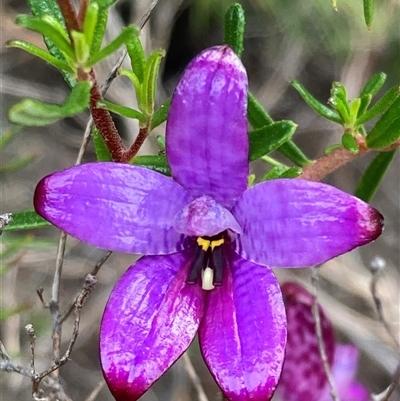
(299, 223)
(150, 319)
(114, 206)
(206, 135)
(303, 376)
(243, 332)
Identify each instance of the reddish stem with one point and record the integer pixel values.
(69, 13)
(82, 11)
(132, 151)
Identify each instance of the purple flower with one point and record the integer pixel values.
(203, 225)
(303, 361)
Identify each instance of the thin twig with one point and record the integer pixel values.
(201, 395)
(96, 391)
(377, 266)
(8, 366)
(385, 395)
(318, 330)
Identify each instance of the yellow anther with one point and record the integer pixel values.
(216, 243)
(204, 243)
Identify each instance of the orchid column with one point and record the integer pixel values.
(210, 241)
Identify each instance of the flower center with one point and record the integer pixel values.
(208, 262)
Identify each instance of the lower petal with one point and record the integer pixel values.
(150, 319)
(243, 332)
(298, 223)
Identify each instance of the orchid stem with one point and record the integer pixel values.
(318, 329)
(272, 161)
(201, 395)
(69, 14)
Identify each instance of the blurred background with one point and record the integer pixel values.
(308, 41)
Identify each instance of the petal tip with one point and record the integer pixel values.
(371, 222)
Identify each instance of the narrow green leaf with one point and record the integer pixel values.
(270, 137)
(9, 135)
(38, 52)
(105, 3)
(148, 88)
(387, 130)
(234, 28)
(368, 12)
(41, 8)
(138, 57)
(314, 104)
(45, 27)
(121, 110)
(373, 175)
(99, 31)
(256, 114)
(26, 220)
(338, 90)
(17, 164)
(160, 115)
(34, 113)
(380, 106)
(81, 48)
(258, 118)
(365, 100)
(374, 84)
(153, 162)
(161, 142)
(100, 147)
(131, 75)
(292, 172)
(354, 108)
(342, 107)
(274, 173)
(6, 313)
(330, 149)
(126, 35)
(349, 143)
(90, 23)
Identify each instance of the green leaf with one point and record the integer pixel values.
(90, 23)
(121, 110)
(41, 8)
(99, 31)
(338, 90)
(342, 107)
(387, 130)
(256, 114)
(126, 35)
(34, 113)
(350, 143)
(50, 28)
(147, 95)
(26, 220)
(160, 115)
(368, 12)
(100, 147)
(258, 118)
(105, 3)
(380, 106)
(374, 84)
(282, 172)
(9, 135)
(314, 104)
(38, 52)
(365, 100)
(234, 28)
(330, 149)
(17, 164)
(161, 142)
(373, 175)
(81, 48)
(137, 56)
(270, 137)
(354, 108)
(153, 162)
(292, 172)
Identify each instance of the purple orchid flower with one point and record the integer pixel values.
(203, 225)
(303, 361)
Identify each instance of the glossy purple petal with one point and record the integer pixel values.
(298, 223)
(114, 206)
(303, 376)
(150, 319)
(343, 371)
(206, 134)
(243, 332)
(205, 217)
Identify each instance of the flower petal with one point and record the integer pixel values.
(205, 217)
(243, 332)
(114, 206)
(150, 319)
(206, 134)
(343, 371)
(303, 376)
(298, 223)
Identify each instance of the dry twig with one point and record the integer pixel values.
(201, 395)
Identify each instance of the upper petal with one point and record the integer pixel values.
(243, 332)
(150, 319)
(205, 217)
(114, 206)
(298, 223)
(206, 134)
(303, 376)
